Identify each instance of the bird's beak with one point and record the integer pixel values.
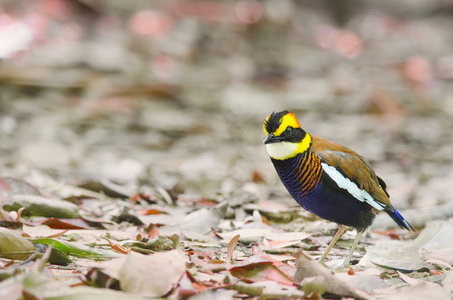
(271, 138)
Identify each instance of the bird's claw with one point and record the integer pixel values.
(342, 268)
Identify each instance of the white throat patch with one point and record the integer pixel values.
(351, 187)
(281, 150)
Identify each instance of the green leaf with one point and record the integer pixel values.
(58, 257)
(77, 249)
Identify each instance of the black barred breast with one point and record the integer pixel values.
(313, 189)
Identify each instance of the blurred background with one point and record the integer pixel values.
(174, 93)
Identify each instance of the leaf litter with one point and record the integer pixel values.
(142, 149)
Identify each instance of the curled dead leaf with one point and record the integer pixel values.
(231, 246)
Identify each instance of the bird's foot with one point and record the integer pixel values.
(321, 261)
(342, 268)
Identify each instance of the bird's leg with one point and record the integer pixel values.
(345, 264)
(341, 229)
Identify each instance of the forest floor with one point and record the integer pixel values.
(131, 142)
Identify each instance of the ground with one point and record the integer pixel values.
(138, 128)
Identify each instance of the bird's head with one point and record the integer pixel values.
(284, 137)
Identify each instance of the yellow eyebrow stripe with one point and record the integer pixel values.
(287, 120)
(264, 124)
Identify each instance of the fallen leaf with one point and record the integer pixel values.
(203, 220)
(76, 249)
(153, 230)
(256, 234)
(159, 243)
(313, 277)
(149, 275)
(97, 278)
(118, 248)
(231, 246)
(109, 188)
(19, 213)
(58, 257)
(66, 191)
(41, 206)
(153, 211)
(56, 223)
(365, 282)
(42, 231)
(43, 287)
(14, 246)
(414, 281)
(245, 233)
(188, 286)
(5, 218)
(9, 220)
(279, 244)
(407, 256)
(438, 255)
(256, 268)
(257, 177)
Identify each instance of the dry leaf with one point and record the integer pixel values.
(118, 248)
(149, 275)
(231, 246)
(407, 255)
(14, 246)
(312, 276)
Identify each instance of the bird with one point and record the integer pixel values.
(327, 179)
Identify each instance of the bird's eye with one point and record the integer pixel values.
(288, 131)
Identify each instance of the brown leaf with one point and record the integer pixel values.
(152, 211)
(256, 268)
(19, 213)
(2, 216)
(57, 234)
(231, 246)
(56, 223)
(257, 177)
(118, 248)
(188, 286)
(153, 231)
(150, 232)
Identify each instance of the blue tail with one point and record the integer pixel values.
(398, 218)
